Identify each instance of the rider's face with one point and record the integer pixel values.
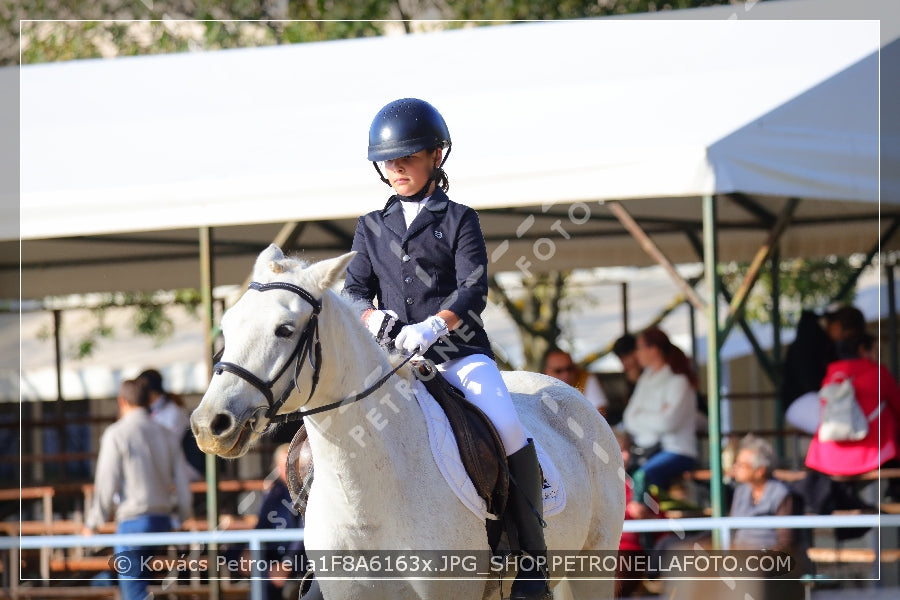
(409, 173)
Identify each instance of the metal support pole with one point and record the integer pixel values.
(692, 319)
(59, 410)
(624, 289)
(889, 271)
(257, 591)
(212, 506)
(713, 376)
(777, 359)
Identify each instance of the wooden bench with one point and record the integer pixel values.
(44, 493)
(890, 508)
(226, 523)
(15, 528)
(227, 591)
(851, 555)
(791, 475)
(92, 564)
(85, 592)
(231, 485)
(688, 514)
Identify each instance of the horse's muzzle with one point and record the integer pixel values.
(222, 433)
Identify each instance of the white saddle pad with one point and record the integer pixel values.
(446, 455)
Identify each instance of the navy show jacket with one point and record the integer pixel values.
(439, 263)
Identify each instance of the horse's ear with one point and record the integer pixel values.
(269, 260)
(328, 271)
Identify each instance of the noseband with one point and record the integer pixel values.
(307, 346)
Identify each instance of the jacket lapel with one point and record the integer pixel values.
(434, 212)
(393, 217)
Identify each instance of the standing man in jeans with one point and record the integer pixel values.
(140, 477)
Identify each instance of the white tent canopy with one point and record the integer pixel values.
(544, 117)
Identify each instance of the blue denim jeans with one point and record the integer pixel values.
(132, 578)
(659, 471)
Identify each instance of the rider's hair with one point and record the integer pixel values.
(441, 178)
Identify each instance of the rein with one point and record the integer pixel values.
(309, 345)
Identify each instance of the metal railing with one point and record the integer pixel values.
(255, 537)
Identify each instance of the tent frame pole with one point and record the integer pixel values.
(212, 505)
(713, 374)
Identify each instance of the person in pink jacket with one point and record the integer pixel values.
(873, 385)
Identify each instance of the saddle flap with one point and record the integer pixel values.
(480, 447)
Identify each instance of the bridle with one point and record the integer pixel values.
(308, 345)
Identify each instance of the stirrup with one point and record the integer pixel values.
(531, 590)
(532, 584)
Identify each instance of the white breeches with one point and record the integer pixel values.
(478, 377)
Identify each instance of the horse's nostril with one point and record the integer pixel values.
(221, 423)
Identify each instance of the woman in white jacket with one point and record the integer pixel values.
(662, 411)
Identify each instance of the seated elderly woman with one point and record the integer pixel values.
(759, 495)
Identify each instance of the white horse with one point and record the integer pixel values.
(377, 486)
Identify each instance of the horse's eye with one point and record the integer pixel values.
(284, 331)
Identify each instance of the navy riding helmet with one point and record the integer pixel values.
(404, 127)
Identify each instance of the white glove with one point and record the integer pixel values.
(379, 324)
(419, 337)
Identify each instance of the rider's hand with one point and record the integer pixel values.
(379, 324)
(419, 337)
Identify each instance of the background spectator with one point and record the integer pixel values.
(758, 494)
(559, 364)
(168, 410)
(807, 358)
(878, 396)
(805, 363)
(844, 322)
(137, 470)
(624, 349)
(661, 413)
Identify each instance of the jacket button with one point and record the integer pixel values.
(405, 258)
(407, 280)
(409, 300)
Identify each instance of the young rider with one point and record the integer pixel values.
(423, 258)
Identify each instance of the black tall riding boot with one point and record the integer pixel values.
(530, 583)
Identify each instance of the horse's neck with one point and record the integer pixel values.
(362, 446)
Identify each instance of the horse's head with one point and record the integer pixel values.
(271, 342)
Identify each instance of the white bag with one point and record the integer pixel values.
(842, 420)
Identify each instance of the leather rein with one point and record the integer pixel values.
(308, 346)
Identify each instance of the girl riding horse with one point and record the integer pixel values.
(423, 258)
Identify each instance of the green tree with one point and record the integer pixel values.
(535, 312)
(804, 283)
(150, 316)
(53, 30)
(519, 10)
